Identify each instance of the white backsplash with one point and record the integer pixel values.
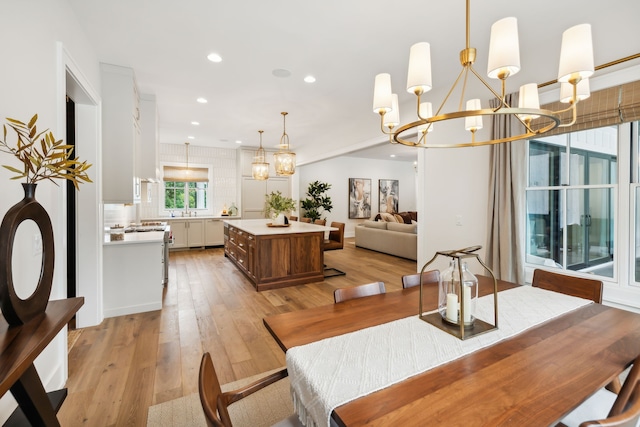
(119, 214)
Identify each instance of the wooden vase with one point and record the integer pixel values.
(18, 311)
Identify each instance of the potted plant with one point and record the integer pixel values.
(43, 158)
(317, 203)
(276, 204)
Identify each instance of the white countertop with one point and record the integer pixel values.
(258, 227)
(136, 238)
(181, 218)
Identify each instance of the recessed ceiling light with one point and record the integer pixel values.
(195, 123)
(214, 57)
(392, 155)
(310, 79)
(191, 137)
(238, 141)
(281, 72)
(202, 100)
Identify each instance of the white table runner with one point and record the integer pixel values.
(331, 372)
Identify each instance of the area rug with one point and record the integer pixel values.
(263, 408)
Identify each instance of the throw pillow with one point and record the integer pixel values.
(406, 217)
(399, 218)
(387, 217)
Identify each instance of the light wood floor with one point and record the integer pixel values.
(121, 367)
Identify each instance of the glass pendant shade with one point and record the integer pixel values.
(259, 167)
(473, 123)
(529, 99)
(419, 75)
(392, 118)
(382, 93)
(582, 91)
(504, 50)
(285, 160)
(576, 54)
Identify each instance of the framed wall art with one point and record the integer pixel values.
(388, 200)
(359, 198)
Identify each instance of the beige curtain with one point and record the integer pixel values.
(506, 216)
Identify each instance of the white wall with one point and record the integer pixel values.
(337, 172)
(29, 84)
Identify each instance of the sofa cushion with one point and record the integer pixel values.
(404, 228)
(375, 224)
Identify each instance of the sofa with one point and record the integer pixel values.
(393, 238)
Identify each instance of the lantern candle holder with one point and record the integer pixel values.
(458, 295)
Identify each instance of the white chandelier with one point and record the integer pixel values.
(259, 167)
(576, 65)
(285, 160)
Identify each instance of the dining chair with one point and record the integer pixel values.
(215, 402)
(430, 277)
(568, 285)
(293, 218)
(345, 294)
(305, 220)
(320, 222)
(605, 408)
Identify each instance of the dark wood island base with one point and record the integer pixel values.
(275, 257)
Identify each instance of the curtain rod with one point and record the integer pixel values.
(599, 67)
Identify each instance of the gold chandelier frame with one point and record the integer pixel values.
(467, 58)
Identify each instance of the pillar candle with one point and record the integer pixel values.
(466, 302)
(452, 307)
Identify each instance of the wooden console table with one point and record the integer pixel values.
(19, 347)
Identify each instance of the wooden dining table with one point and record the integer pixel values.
(534, 378)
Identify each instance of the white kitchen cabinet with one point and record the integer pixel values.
(254, 192)
(120, 135)
(149, 167)
(213, 232)
(133, 278)
(187, 233)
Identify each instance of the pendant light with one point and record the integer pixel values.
(285, 160)
(259, 167)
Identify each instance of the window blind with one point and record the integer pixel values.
(183, 174)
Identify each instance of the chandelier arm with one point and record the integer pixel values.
(446, 98)
(503, 103)
(464, 85)
(574, 112)
(390, 132)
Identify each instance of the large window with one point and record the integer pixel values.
(184, 196)
(572, 201)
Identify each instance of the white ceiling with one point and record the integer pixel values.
(343, 43)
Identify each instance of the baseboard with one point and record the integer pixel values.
(132, 309)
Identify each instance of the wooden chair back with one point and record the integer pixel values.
(428, 277)
(625, 411)
(320, 222)
(336, 237)
(303, 219)
(293, 218)
(345, 294)
(568, 285)
(215, 402)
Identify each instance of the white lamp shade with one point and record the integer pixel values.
(392, 119)
(504, 50)
(582, 91)
(419, 76)
(473, 123)
(529, 99)
(426, 111)
(576, 53)
(382, 93)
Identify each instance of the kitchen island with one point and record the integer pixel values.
(276, 257)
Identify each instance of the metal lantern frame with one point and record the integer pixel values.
(434, 318)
